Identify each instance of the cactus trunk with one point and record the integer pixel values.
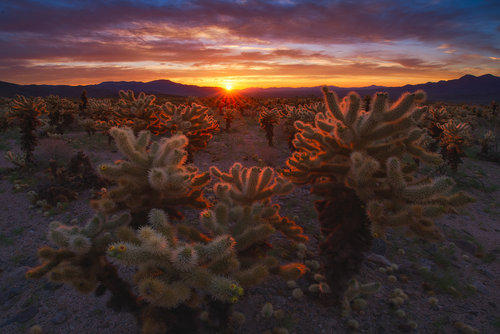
(346, 231)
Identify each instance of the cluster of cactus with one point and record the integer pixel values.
(138, 113)
(25, 112)
(177, 265)
(195, 122)
(152, 176)
(361, 163)
(61, 113)
(98, 116)
(455, 137)
(290, 115)
(267, 119)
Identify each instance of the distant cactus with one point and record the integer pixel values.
(25, 112)
(152, 176)
(228, 115)
(434, 118)
(267, 119)
(195, 122)
(357, 161)
(136, 113)
(61, 113)
(486, 142)
(455, 136)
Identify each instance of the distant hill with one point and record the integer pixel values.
(107, 89)
(467, 89)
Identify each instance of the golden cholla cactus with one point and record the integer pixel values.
(152, 176)
(195, 122)
(79, 258)
(244, 210)
(455, 136)
(267, 119)
(361, 163)
(136, 113)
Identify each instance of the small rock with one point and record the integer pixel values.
(480, 287)
(379, 259)
(59, 318)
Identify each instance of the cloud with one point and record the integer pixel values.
(101, 38)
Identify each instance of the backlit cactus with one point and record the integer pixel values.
(25, 112)
(195, 122)
(267, 119)
(361, 163)
(244, 210)
(455, 136)
(152, 176)
(136, 113)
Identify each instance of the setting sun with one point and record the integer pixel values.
(228, 87)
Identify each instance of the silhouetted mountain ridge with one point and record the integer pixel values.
(467, 89)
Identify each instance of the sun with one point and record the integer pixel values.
(229, 87)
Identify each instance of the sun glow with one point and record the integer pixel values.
(229, 87)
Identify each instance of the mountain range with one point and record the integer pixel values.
(467, 89)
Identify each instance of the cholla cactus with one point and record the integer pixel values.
(355, 159)
(61, 113)
(434, 118)
(291, 114)
(25, 112)
(137, 113)
(487, 142)
(228, 115)
(454, 137)
(267, 119)
(173, 276)
(195, 122)
(80, 256)
(151, 178)
(170, 270)
(244, 211)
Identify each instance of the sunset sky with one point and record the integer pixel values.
(248, 43)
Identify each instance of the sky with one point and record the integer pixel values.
(245, 43)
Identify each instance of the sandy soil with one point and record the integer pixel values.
(463, 272)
